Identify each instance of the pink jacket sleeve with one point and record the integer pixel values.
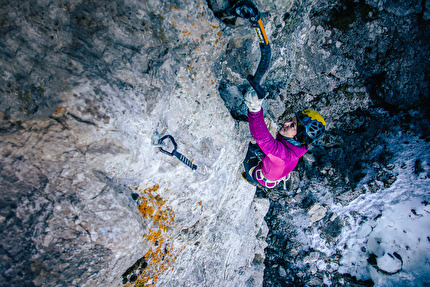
(280, 157)
(261, 134)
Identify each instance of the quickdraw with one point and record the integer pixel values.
(248, 10)
(174, 152)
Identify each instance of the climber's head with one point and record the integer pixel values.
(306, 127)
(310, 126)
(289, 129)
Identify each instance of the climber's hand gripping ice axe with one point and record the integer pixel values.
(248, 10)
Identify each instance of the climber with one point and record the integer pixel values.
(270, 160)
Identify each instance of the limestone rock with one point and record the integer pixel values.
(317, 212)
(87, 200)
(87, 87)
(389, 263)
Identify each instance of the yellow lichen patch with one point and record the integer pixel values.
(161, 222)
(145, 209)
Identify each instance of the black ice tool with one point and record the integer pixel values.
(180, 156)
(248, 10)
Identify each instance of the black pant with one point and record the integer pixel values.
(253, 157)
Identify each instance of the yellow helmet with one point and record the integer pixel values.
(311, 126)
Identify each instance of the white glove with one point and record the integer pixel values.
(252, 101)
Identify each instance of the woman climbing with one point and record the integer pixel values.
(270, 160)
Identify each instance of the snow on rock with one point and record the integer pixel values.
(390, 263)
(397, 239)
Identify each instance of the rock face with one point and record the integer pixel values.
(88, 87)
(87, 200)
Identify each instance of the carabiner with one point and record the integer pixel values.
(161, 144)
(175, 153)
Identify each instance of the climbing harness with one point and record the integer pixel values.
(267, 182)
(253, 173)
(258, 174)
(248, 10)
(162, 145)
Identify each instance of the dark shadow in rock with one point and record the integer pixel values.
(138, 266)
(332, 229)
(222, 11)
(233, 99)
(395, 73)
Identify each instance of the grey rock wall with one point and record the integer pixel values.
(364, 66)
(86, 199)
(86, 87)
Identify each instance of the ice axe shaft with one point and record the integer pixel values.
(261, 93)
(261, 70)
(248, 10)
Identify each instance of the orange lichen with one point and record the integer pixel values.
(162, 254)
(145, 210)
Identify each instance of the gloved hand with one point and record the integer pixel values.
(252, 101)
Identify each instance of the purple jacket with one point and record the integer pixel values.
(280, 157)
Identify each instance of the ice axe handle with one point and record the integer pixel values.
(262, 68)
(261, 93)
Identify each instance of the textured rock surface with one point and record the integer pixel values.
(353, 62)
(85, 85)
(87, 200)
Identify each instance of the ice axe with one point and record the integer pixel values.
(248, 10)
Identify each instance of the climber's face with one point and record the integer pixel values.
(289, 129)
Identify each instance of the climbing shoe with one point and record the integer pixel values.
(247, 179)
